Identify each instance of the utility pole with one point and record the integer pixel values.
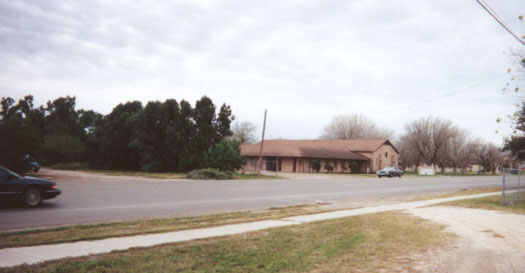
(262, 143)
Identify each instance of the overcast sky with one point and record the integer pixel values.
(304, 61)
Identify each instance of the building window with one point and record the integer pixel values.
(386, 154)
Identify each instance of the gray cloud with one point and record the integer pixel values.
(305, 61)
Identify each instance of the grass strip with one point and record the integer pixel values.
(459, 193)
(120, 229)
(157, 175)
(490, 203)
(366, 243)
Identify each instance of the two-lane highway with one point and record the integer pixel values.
(94, 198)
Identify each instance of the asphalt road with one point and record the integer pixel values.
(94, 198)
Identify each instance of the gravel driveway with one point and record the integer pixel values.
(489, 241)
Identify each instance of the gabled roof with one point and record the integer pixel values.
(336, 149)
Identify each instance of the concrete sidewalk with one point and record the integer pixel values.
(35, 254)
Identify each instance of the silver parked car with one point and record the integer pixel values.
(390, 172)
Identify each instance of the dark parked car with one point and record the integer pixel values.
(390, 172)
(32, 163)
(31, 191)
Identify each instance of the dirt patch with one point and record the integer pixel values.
(488, 241)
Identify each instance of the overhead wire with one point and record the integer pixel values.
(442, 96)
(495, 16)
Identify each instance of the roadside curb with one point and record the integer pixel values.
(34, 254)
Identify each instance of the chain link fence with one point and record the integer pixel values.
(512, 188)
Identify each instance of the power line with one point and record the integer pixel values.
(443, 96)
(493, 14)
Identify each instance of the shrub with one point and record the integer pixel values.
(328, 167)
(316, 165)
(354, 167)
(225, 156)
(343, 166)
(206, 174)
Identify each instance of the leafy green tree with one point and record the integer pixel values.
(208, 129)
(7, 110)
(162, 136)
(63, 148)
(205, 131)
(114, 137)
(148, 137)
(224, 120)
(185, 136)
(173, 140)
(516, 143)
(61, 117)
(18, 136)
(225, 156)
(87, 121)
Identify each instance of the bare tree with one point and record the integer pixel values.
(354, 127)
(244, 132)
(457, 152)
(488, 155)
(460, 152)
(408, 153)
(430, 138)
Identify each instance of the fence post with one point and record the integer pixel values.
(518, 194)
(503, 188)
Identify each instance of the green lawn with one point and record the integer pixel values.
(367, 243)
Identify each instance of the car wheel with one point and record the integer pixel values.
(379, 176)
(32, 197)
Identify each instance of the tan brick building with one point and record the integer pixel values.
(297, 155)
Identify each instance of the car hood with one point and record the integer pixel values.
(34, 180)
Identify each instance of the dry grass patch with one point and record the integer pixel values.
(459, 193)
(490, 203)
(119, 229)
(367, 243)
(155, 175)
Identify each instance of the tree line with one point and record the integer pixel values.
(438, 142)
(160, 136)
(427, 141)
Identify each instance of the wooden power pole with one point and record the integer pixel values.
(262, 143)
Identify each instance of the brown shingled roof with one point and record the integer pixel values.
(336, 149)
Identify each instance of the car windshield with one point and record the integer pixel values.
(6, 171)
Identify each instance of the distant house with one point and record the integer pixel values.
(473, 167)
(297, 155)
